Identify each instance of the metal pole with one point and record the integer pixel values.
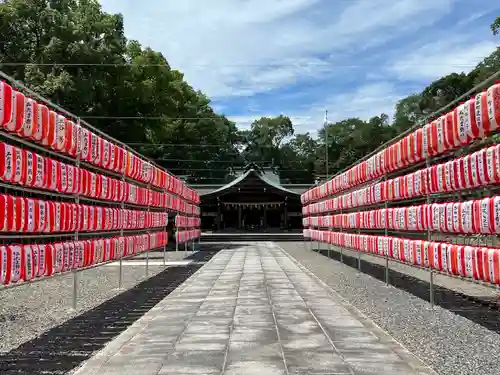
(75, 289)
(431, 272)
(120, 273)
(341, 230)
(165, 245)
(385, 234)
(431, 288)
(147, 251)
(326, 146)
(329, 245)
(386, 263)
(120, 270)
(359, 254)
(77, 202)
(164, 255)
(176, 240)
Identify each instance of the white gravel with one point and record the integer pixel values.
(29, 310)
(449, 343)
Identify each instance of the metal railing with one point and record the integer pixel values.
(24, 238)
(455, 195)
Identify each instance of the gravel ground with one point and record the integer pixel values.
(448, 342)
(29, 310)
(484, 291)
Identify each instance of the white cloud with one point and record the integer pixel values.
(243, 47)
(265, 78)
(238, 48)
(301, 122)
(437, 59)
(363, 102)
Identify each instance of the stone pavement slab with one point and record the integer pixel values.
(252, 310)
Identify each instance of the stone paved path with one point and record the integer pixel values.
(252, 310)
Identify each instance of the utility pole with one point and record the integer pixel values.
(326, 145)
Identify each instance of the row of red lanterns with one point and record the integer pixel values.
(25, 168)
(475, 170)
(473, 262)
(31, 120)
(473, 119)
(32, 261)
(28, 215)
(187, 235)
(187, 221)
(481, 216)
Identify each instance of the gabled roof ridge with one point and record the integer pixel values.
(244, 176)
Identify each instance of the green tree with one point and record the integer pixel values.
(495, 26)
(409, 111)
(351, 139)
(298, 159)
(266, 137)
(445, 90)
(82, 61)
(487, 67)
(59, 33)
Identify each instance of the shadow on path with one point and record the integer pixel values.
(202, 247)
(64, 347)
(479, 310)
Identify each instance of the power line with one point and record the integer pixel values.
(20, 85)
(421, 123)
(265, 162)
(201, 145)
(145, 118)
(227, 169)
(207, 161)
(223, 182)
(230, 148)
(212, 161)
(192, 145)
(169, 118)
(264, 65)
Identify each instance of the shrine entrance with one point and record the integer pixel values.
(252, 203)
(253, 216)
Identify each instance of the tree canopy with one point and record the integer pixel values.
(78, 56)
(495, 26)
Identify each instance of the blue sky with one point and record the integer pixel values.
(355, 58)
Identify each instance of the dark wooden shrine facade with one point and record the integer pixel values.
(251, 202)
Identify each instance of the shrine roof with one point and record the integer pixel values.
(245, 176)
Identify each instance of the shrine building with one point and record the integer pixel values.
(255, 200)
